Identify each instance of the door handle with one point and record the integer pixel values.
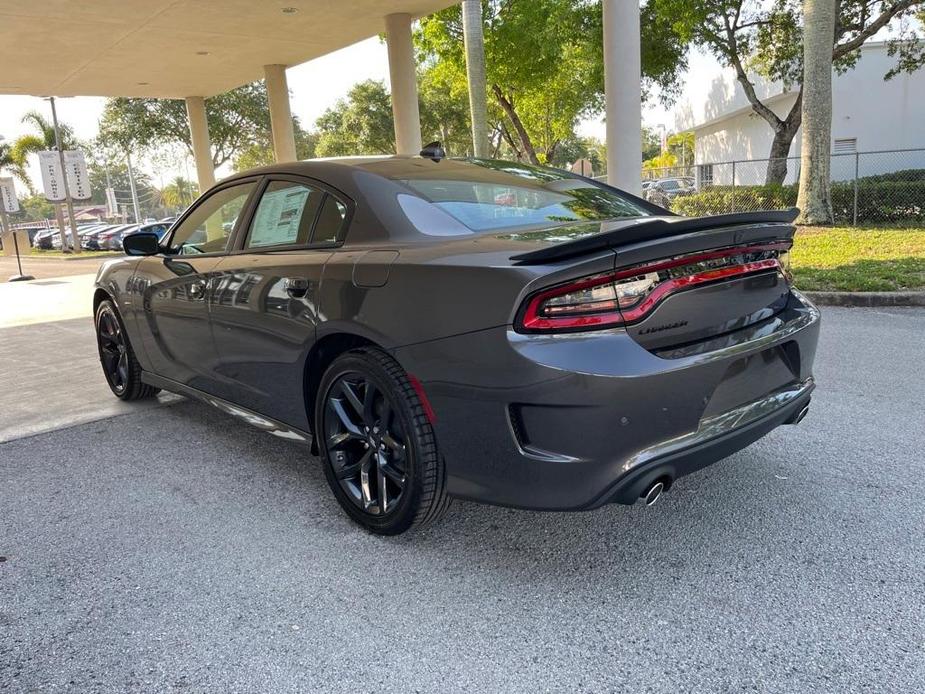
(297, 287)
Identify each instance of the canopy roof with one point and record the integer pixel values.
(174, 48)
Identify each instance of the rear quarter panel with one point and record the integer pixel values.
(434, 291)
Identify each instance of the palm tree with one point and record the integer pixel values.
(178, 194)
(11, 165)
(43, 140)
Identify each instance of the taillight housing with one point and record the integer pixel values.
(628, 295)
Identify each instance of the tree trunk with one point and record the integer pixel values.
(784, 132)
(522, 133)
(475, 74)
(815, 196)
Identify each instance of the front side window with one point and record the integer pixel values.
(209, 226)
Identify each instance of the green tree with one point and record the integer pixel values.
(682, 146)
(444, 112)
(574, 148)
(35, 208)
(179, 194)
(544, 65)
(41, 139)
(11, 165)
(261, 153)
(360, 123)
(764, 38)
(651, 143)
(237, 119)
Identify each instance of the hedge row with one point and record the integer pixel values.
(879, 201)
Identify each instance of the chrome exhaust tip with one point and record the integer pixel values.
(801, 415)
(651, 495)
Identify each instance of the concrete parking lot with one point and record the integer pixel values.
(173, 548)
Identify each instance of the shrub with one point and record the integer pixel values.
(897, 198)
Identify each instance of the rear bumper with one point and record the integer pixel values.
(576, 421)
(717, 438)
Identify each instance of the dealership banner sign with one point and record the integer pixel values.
(76, 177)
(8, 195)
(52, 180)
(78, 180)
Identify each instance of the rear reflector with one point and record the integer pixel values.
(626, 296)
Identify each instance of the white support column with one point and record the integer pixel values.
(202, 145)
(475, 72)
(404, 84)
(623, 89)
(280, 115)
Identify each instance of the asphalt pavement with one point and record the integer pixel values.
(47, 266)
(175, 549)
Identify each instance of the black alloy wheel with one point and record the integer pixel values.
(113, 354)
(121, 368)
(379, 449)
(366, 444)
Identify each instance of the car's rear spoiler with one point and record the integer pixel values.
(657, 227)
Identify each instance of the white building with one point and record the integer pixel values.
(870, 114)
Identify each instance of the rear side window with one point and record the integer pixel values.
(285, 215)
(330, 221)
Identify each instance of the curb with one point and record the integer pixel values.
(868, 299)
(69, 257)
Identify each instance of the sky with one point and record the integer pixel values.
(314, 86)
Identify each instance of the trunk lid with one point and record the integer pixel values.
(706, 276)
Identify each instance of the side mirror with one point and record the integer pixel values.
(141, 243)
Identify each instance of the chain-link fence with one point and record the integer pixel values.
(884, 187)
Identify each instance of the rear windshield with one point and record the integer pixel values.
(515, 195)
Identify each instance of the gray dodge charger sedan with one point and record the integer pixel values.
(486, 330)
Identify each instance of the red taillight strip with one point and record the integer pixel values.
(698, 258)
(631, 315)
(532, 321)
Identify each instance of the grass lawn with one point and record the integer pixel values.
(51, 253)
(859, 260)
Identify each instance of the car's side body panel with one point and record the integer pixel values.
(265, 310)
(171, 316)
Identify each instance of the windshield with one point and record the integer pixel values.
(670, 184)
(515, 195)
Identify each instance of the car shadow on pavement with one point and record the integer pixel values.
(701, 519)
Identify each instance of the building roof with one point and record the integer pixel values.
(174, 48)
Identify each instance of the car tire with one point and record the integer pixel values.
(120, 367)
(384, 432)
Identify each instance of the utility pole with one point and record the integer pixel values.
(131, 183)
(75, 238)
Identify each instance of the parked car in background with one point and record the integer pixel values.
(111, 240)
(43, 239)
(158, 228)
(69, 238)
(664, 190)
(90, 239)
(488, 330)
